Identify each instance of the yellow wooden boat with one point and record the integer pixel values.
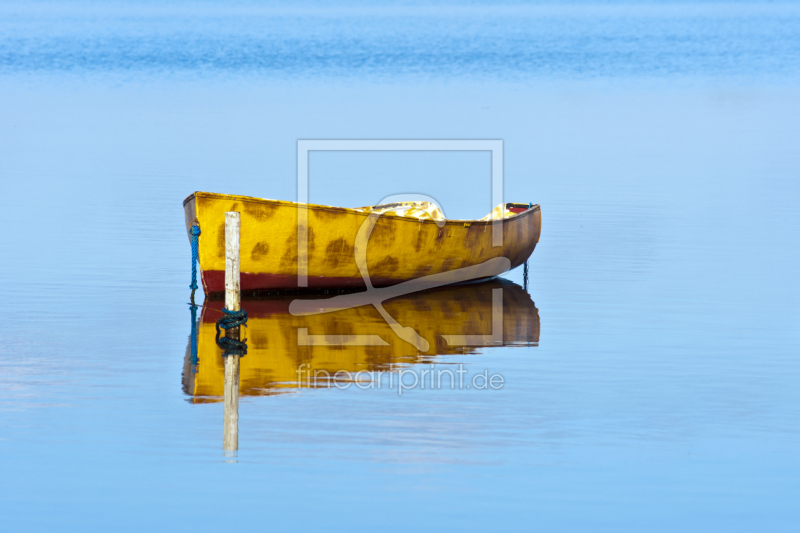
(409, 240)
(276, 361)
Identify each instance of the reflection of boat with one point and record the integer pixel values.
(409, 240)
(441, 316)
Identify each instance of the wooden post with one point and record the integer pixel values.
(230, 432)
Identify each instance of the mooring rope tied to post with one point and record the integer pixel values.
(232, 319)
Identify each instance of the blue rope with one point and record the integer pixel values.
(195, 233)
(232, 319)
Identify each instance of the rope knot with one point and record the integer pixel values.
(232, 319)
(195, 230)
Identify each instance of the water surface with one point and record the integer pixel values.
(660, 141)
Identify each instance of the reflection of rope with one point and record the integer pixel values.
(193, 339)
(205, 306)
(232, 319)
(525, 276)
(232, 346)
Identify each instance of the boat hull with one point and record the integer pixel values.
(399, 248)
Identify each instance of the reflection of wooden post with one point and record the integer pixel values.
(230, 432)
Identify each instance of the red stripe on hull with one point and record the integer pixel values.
(214, 281)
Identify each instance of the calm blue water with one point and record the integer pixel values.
(365, 40)
(661, 141)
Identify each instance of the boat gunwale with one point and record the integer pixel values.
(351, 210)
